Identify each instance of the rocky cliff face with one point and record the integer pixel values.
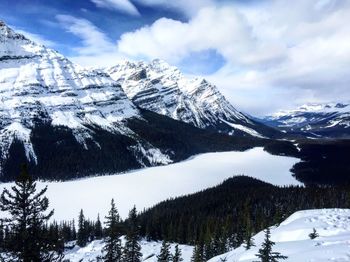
(161, 88)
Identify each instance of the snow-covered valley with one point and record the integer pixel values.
(146, 187)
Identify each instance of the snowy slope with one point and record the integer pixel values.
(37, 82)
(292, 240)
(149, 186)
(291, 237)
(163, 89)
(80, 112)
(149, 250)
(326, 120)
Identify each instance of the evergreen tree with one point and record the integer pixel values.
(98, 228)
(314, 234)
(177, 257)
(132, 247)
(74, 231)
(198, 253)
(249, 242)
(112, 249)
(265, 252)
(82, 235)
(27, 240)
(164, 255)
(89, 230)
(2, 237)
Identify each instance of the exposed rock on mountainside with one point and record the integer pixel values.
(314, 120)
(163, 89)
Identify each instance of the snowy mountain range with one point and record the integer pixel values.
(64, 119)
(163, 89)
(314, 120)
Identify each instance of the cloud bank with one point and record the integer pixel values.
(295, 51)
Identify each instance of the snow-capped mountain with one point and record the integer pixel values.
(37, 83)
(317, 120)
(41, 92)
(161, 88)
(66, 121)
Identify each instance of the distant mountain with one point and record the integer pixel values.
(163, 89)
(330, 120)
(65, 121)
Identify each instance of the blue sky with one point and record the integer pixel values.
(39, 17)
(263, 55)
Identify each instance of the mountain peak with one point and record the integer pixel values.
(315, 119)
(9, 33)
(164, 89)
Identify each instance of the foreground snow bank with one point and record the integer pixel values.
(291, 237)
(147, 187)
(149, 250)
(292, 240)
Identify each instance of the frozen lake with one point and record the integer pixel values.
(146, 187)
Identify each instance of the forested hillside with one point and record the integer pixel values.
(229, 214)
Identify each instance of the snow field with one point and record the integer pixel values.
(149, 250)
(292, 238)
(149, 186)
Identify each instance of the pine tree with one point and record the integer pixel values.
(177, 257)
(164, 255)
(249, 242)
(265, 252)
(198, 254)
(112, 250)
(74, 231)
(132, 247)
(2, 237)
(98, 228)
(82, 235)
(27, 208)
(314, 234)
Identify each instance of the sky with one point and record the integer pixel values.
(264, 55)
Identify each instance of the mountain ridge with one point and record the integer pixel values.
(163, 89)
(66, 121)
(328, 120)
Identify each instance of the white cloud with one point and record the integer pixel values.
(120, 5)
(96, 49)
(278, 53)
(222, 29)
(93, 39)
